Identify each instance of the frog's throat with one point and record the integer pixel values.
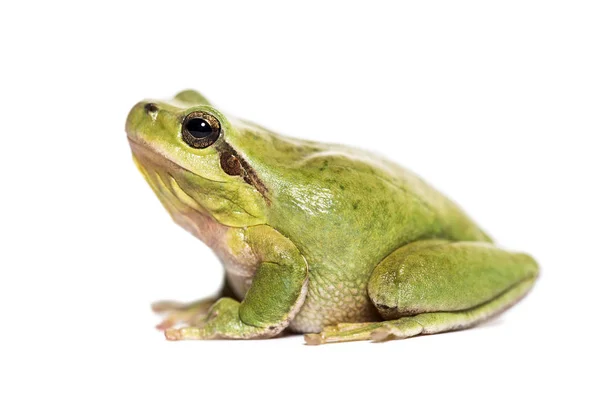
(159, 172)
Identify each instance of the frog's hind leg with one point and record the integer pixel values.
(435, 286)
(439, 322)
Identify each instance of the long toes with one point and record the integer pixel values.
(171, 320)
(185, 333)
(342, 332)
(167, 306)
(187, 318)
(166, 324)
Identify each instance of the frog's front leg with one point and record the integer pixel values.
(434, 286)
(277, 292)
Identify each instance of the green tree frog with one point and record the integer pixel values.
(320, 239)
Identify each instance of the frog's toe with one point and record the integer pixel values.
(373, 331)
(176, 313)
(181, 318)
(185, 333)
(342, 332)
(167, 306)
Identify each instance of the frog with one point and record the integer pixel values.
(329, 241)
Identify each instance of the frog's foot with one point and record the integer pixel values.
(222, 322)
(177, 313)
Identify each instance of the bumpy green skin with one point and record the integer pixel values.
(324, 234)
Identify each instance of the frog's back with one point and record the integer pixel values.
(345, 196)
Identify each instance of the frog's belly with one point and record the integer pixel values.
(332, 299)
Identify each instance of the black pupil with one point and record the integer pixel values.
(198, 128)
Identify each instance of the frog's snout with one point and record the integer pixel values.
(139, 115)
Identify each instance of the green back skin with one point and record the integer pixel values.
(345, 209)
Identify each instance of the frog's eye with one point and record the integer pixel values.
(200, 129)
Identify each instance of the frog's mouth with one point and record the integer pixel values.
(152, 158)
(208, 203)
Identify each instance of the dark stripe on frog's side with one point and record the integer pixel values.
(235, 165)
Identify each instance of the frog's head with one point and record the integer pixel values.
(181, 146)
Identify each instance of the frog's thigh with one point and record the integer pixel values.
(434, 286)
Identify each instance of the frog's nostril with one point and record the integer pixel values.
(150, 108)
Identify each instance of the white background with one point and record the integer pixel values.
(497, 105)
